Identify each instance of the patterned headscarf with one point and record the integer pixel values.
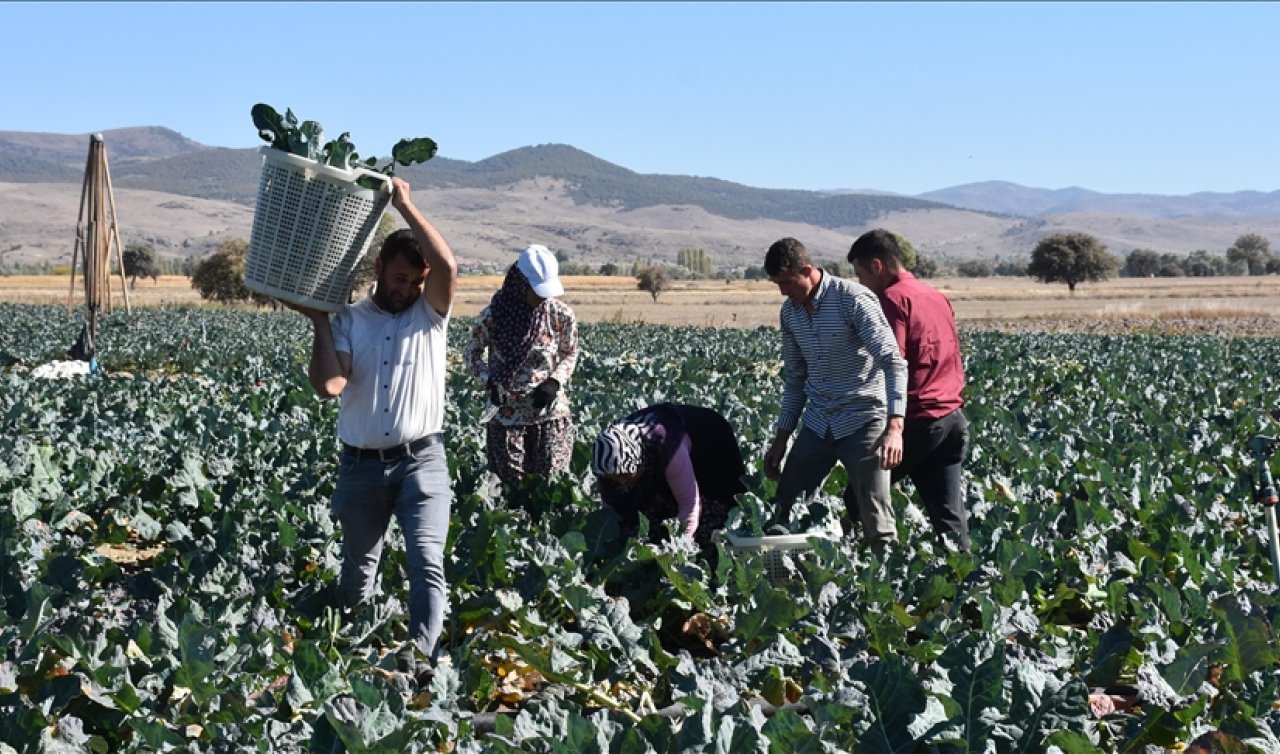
(618, 450)
(516, 326)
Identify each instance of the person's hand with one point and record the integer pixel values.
(773, 458)
(890, 443)
(306, 311)
(402, 193)
(545, 393)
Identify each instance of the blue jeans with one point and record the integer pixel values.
(416, 490)
(812, 457)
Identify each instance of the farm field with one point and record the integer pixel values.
(979, 302)
(167, 558)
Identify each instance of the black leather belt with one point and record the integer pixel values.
(395, 452)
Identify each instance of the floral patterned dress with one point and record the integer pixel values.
(523, 439)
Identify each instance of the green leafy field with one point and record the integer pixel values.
(167, 560)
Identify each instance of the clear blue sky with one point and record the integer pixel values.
(1167, 98)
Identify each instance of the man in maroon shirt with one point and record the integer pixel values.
(936, 432)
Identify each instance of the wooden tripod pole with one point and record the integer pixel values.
(80, 236)
(96, 230)
(115, 233)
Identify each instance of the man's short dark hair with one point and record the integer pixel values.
(786, 255)
(402, 243)
(877, 244)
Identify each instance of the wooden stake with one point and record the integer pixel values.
(80, 240)
(96, 231)
(115, 231)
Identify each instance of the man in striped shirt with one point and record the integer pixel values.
(844, 376)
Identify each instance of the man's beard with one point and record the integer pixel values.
(387, 303)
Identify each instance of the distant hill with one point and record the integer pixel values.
(184, 198)
(211, 173)
(21, 169)
(1012, 199)
(124, 145)
(590, 180)
(1009, 198)
(157, 159)
(160, 159)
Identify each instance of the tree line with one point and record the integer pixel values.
(1249, 255)
(1070, 258)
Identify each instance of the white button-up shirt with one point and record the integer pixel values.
(395, 392)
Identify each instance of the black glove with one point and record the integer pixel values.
(544, 394)
(494, 399)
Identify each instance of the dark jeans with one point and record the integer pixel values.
(415, 490)
(933, 451)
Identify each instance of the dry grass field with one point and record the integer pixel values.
(741, 303)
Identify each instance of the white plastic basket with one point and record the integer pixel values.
(776, 547)
(311, 227)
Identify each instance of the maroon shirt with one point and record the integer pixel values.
(925, 326)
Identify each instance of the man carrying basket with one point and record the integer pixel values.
(385, 356)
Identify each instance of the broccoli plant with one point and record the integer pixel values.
(306, 139)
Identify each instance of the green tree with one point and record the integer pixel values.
(1167, 259)
(839, 269)
(140, 261)
(1071, 258)
(926, 267)
(609, 268)
(975, 268)
(220, 276)
(696, 261)
(1202, 264)
(1009, 268)
(365, 270)
(908, 253)
(1252, 251)
(653, 280)
(1141, 263)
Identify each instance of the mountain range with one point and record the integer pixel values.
(185, 197)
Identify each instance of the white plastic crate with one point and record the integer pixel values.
(312, 225)
(775, 547)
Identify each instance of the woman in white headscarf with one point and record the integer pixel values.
(670, 461)
(523, 349)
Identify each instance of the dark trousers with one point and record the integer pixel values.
(415, 491)
(932, 453)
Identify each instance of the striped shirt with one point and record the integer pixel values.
(842, 364)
